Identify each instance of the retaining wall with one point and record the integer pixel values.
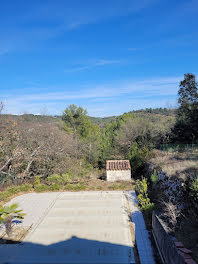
(166, 246)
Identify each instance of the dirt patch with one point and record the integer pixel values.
(97, 185)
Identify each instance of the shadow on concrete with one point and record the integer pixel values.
(72, 251)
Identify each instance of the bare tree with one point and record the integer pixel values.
(131, 130)
(29, 148)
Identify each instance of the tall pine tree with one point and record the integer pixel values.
(186, 128)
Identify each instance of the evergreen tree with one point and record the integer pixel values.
(186, 128)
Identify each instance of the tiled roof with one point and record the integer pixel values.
(118, 165)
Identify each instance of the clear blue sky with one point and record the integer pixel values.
(108, 56)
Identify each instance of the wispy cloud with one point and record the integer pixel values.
(115, 95)
(97, 63)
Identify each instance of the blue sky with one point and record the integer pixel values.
(108, 56)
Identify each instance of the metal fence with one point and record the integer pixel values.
(178, 147)
(165, 244)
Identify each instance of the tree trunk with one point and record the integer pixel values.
(9, 226)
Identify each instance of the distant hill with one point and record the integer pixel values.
(31, 117)
(161, 111)
(154, 115)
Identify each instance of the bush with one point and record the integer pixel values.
(41, 188)
(83, 172)
(67, 177)
(76, 187)
(54, 187)
(69, 187)
(4, 196)
(148, 209)
(194, 189)
(36, 180)
(13, 189)
(59, 179)
(118, 186)
(80, 187)
(145, 204)
(54, 179)
(25, 187)
(138, 157)
(154, 177)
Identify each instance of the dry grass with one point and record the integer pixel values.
(183, 165)
(180, 164)
(18, 235)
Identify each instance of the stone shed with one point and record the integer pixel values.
(118, 170)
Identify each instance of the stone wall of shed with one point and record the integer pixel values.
(118, 175)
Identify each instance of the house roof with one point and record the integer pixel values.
(118, 165)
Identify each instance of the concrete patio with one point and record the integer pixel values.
(83, 227)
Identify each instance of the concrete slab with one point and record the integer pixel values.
(34, 205)
(85, 227)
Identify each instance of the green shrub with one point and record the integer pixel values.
(143, 200)
(25, 187)
(4, 195)
(36, 180)
(154, 177)
(59, 179)
(20, 188)
(41, 188)
(83, 172)
(69, 187)
(13, 189)
(148, 209)
(54, 187)
(76, 187)
(67, 177)
(141, 187)
(54, 179)
(118, 186)
(145, 204)
(138, 156)
(194, 189)
(79, 187)
(89, 166)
